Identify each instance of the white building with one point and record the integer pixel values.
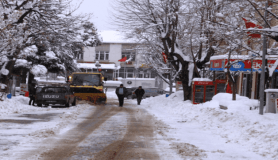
(113, 48)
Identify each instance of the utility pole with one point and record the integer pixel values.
(170, 80)
(262, 81)
(170, 76)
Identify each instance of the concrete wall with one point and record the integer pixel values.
(135, 82)
(89, 54)
(115, 53)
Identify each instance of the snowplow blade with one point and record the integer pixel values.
(96, 98)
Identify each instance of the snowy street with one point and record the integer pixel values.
(205, 70)
(160, 128)
(82, 132)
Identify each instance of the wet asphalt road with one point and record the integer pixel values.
(109, 132)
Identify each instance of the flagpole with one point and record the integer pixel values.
(125, 71)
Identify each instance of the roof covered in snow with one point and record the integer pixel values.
(271, 90)
(110, 36)
(225, 56)
(201, 79)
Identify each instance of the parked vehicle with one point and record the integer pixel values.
(129, 92)
(55, 95)
(150, 92)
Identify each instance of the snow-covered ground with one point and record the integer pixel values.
(205, 131)
(183, 130)
(22, 125)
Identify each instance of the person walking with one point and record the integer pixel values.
(139, 94)
(32, 92)
(121, 92)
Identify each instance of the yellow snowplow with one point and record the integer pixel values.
(87, 86)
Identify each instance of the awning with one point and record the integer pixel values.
(93, 66)
(240, 64)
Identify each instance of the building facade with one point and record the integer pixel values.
(132, 73)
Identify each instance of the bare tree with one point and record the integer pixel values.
(174, 27)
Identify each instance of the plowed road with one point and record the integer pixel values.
(109, 132)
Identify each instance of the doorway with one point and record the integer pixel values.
(246, 85)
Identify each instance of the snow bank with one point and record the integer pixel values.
(241, 104)
(17, 104)
(200, 125)
(45, 122)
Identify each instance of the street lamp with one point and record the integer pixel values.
(97, 65)
(169, 70)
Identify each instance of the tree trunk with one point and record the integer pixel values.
(185, 80)
(234, 90)
(10, 67)
(186, 91)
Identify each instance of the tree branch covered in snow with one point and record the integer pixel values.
(43, 27)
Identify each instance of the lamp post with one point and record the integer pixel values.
(262, 80)
(97, 65)
(169, 70)
(115, 72)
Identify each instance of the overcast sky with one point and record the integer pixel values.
(101, 11)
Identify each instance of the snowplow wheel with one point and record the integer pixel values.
(74, 102)
(67, 104)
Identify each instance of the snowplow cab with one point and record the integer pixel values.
(88, 86)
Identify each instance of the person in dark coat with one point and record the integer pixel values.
(32, 92)
(139, 94)
(121, 92)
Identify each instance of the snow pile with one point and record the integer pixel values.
(17, 104)
(249, 133)
(39, 70)
(25, 127)
(241, 104)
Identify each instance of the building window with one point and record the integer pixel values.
(52, 76)
(153, 74)
(78, 56)
(220, 76)
(101, 55)
(128, 54)
(146, 75)
(126, 73)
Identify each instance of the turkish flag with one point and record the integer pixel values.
(123, 59)
(252, 25)
(164, 57)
